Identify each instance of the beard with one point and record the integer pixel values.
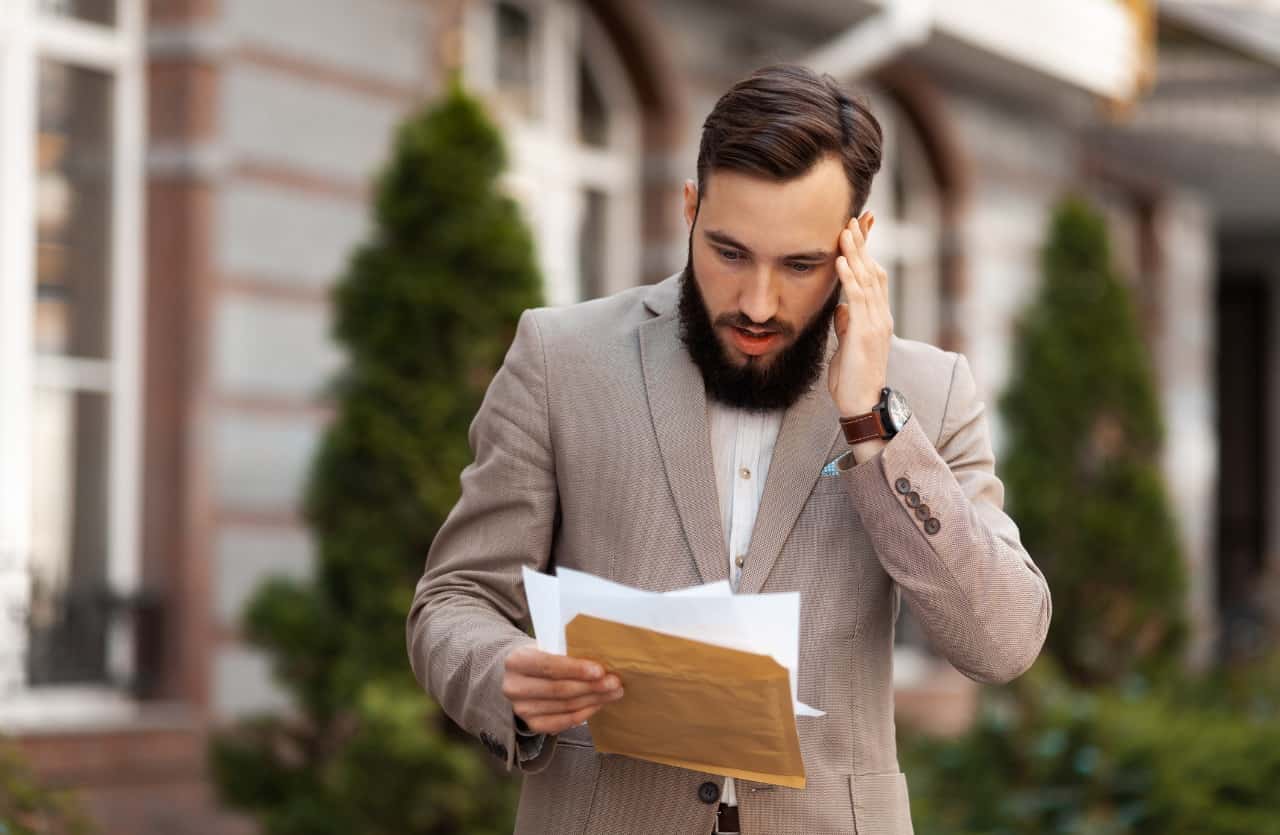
(759, 384)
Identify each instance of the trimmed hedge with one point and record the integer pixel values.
(27, 807)
(1081, 464)
(1047, 758)
(425, 312)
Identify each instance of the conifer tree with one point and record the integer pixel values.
(425, 312)
(1081, 464)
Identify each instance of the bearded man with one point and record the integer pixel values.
(681, 433)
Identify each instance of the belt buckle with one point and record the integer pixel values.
(727, 821)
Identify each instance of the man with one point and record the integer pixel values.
(679, 434)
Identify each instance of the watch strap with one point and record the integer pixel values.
(862, 427)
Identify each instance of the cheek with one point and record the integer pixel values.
(716, 283)
(807, 298)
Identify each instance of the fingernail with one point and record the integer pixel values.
(612, 682)
(594, 670)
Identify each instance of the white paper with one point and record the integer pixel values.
(766, 624)
(543, 593)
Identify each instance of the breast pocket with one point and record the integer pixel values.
(823, 559)
(829, 527)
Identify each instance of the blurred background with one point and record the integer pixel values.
(183, 183)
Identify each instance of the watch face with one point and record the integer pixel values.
(899, 411)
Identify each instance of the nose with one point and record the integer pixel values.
(758, 296)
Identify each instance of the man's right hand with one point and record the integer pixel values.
(552, 693)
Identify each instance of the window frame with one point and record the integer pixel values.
(28, 36)
(551, 169)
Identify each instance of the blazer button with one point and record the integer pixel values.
(708, 792)
(922, 512)
(932, 525)
(913, 499)
(902, 485)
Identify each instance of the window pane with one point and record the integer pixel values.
(73, 207)
(94, 11)
(593, 115)
(515, 59)
(68, 610)
(592, 245)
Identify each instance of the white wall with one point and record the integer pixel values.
(310, 94)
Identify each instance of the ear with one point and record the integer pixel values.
(690, 203)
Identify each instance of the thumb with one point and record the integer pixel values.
(842, 319)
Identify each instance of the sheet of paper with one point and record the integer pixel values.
(766, 624)
(542, 591)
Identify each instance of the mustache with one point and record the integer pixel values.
(741, 320)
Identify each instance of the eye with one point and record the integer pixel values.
(730, 254)
(802, 268)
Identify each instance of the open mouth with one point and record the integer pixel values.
(753, 342)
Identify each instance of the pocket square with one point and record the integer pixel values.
(831, 468)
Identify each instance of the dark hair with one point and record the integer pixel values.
(780, 120)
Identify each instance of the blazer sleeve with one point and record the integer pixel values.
(958, 561)
(469, 606)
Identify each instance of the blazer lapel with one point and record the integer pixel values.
(810, 429)
(678, 404)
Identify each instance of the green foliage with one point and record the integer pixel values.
(425, 312)
(1084, 436)
(1146, 751)
(29, 808)
(1046, 758)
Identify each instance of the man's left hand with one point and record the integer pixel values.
(863, 323)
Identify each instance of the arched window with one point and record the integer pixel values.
(572, 124)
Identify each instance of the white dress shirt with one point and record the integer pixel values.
(741, 449)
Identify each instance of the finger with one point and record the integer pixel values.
(518, 686)
(562, 721)
(853, 290)
(858, 231)
(862, 266)
(859, 283)
(851, 243)
(534, 662)
(550, 707)
(874, 277)
(882, 278)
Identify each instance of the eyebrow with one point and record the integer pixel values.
(723, 238)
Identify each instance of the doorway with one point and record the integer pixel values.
(1244, 322)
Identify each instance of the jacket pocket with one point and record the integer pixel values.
(558, 798)
(881, 804)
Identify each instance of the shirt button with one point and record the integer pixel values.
(740, 560)
(708, 792)
(902, 485)
(913, 499)
(922, 512)
(932, 525)
(744, 472)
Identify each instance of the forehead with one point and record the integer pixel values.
(775, 218)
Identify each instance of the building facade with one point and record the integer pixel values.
(182, 181)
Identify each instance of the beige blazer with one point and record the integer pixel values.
(592, 451)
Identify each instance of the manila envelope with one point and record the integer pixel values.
(691, 704)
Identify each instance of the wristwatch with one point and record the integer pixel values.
(885, 419)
